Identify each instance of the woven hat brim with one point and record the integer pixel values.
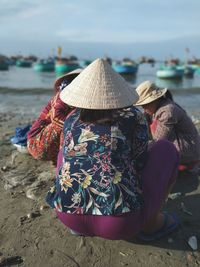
(99, 87)
(102, 104)
(151, 98)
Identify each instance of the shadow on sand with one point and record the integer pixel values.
(186, 182)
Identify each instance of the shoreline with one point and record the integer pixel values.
(30, 101)
(4, 89)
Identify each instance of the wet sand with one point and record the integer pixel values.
(31, 235)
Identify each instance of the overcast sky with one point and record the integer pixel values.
(41, 25)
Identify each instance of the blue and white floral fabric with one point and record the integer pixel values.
(99, 173)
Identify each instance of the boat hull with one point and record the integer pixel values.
(84, 63)
(42, 67)
(125, 69)
(23, 63)
(188, 71)
(4, 66)
(65, 68)
(170, 73)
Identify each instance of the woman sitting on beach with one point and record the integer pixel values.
(170, 121)
(45, 135)
(107, 183)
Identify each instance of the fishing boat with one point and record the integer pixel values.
(193, 62)
(148, 60)
(3, 65)
(44, 65)
(84, 63)
(170, 72)
(188, 70)
(64, 65)
(25, 63)
(195, 66)
(125, 67)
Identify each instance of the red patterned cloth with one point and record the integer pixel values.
(153, 126)
(45, 137)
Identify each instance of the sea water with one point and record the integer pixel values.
(31, 90)
(20, 78)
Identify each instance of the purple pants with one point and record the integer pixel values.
(159, 173)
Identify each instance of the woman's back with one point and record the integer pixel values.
(99, 171)
(175, 125)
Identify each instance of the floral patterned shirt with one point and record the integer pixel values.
(100, 169)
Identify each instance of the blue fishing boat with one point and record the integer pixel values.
(170, 72)
(194, 64)
(23, 63)
(63, 66)
(44, 65)
(3, 65)
(84, 63)
(125, 67)
(187, 70)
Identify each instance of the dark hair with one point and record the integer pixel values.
(169, 95)
(64, 81)
(107, 117)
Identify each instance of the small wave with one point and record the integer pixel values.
(183, 91)
(48, 91)
(28, 91)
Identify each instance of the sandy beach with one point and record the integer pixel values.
(32, 236)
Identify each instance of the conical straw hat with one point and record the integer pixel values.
(98, 87)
